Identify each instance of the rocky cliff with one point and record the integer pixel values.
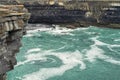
(13, 19)
(90, 12)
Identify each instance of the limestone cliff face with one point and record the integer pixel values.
(13, 19)
(90, 12)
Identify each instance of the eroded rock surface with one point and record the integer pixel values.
(104, 13)
(13, 19)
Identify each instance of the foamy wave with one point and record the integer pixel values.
(32, 31)
(34, 50)
(61, 31)
(51, 30)
(39, 29)
(69, 60)
(117, 40)
(111, 47)
(82, 28)
(28, 35)
(93, 53)
(111, 60)
(97, 53)
(32, 57)
(46, 73)
(115, 45)
(97, 42)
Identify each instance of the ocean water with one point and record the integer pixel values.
(90, 53)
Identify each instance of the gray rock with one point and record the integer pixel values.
(11, 31)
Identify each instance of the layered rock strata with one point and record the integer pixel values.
(13, 19)
(84, 12)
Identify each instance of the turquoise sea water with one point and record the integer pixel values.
(64, 54)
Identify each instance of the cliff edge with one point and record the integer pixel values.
(104, 13)
(13, 19)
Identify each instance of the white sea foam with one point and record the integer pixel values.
(97, 42)
(28, 35)
(56, 31)
(61, 31)
(100, 43)
(34, 50)
(69, 60)
(97, 53)
(53, 30)
(32, 31)
(46, 73)
(93, 53)
(82, 28)
(115, 45)
(111, 47)
(60, 48)
(32, 57)
(32, 35)
(111, 60)
(39, 29)
(117, 40)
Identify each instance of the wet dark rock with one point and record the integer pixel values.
(86, 13)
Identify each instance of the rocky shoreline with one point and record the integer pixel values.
(79, 13)
(13, 20)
